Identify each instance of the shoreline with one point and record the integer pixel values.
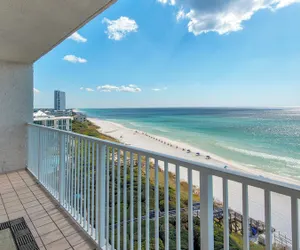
(281, 213)
(116, 130)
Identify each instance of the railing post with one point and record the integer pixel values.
(268, 228)
(39, 155)
(101, 195)
(28, 146)
(190, 211)
(245, 217)
(225, 214)
(62, 168)
(295, 223)
(206, 211)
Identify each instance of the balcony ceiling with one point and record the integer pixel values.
(31, 28)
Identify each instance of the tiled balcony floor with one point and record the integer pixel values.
(20, 196)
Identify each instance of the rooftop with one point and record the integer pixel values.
(21, 196)
(42, 116)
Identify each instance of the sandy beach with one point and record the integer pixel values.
(281, 215)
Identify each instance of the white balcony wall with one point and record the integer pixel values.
(16, 105)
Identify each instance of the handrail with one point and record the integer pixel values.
(250, 179)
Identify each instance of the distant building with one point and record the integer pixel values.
(58, 122)
(66, 112)
(80, 117)
(59, 100)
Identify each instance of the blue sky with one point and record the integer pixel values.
(163, 53)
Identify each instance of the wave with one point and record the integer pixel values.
(261, 155)
(162, 130)
(139, 125)
(135, 124)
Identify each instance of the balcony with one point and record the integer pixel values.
(82, 193)
(85, 176)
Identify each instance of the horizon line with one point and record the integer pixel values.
(224, 107)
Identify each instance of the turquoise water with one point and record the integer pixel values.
(266, 139)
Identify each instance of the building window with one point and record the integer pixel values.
(50, 123)
(38, 122)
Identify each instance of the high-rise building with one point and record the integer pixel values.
(59, 100)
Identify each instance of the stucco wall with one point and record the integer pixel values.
(16, 106)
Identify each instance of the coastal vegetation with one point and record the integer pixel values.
(90, 129)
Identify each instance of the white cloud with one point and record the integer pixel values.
(77, 38)
(87, 89)
(129, 89)
(110, 88)
(36, 91)
(180, 14)
(221, 17)
(171, 2)
(160, 89)
(118, 29)
(107, 88)
(74, 59)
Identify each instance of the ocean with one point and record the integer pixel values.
(264, 139)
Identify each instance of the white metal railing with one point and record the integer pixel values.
(115, 192)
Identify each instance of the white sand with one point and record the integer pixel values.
(281, 215)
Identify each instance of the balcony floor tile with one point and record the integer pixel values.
(52, 228)
(61, 244)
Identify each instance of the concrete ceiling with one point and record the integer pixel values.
(31, 28)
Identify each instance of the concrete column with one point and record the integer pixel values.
(67, 125)
(16, 108)
(56, 124)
